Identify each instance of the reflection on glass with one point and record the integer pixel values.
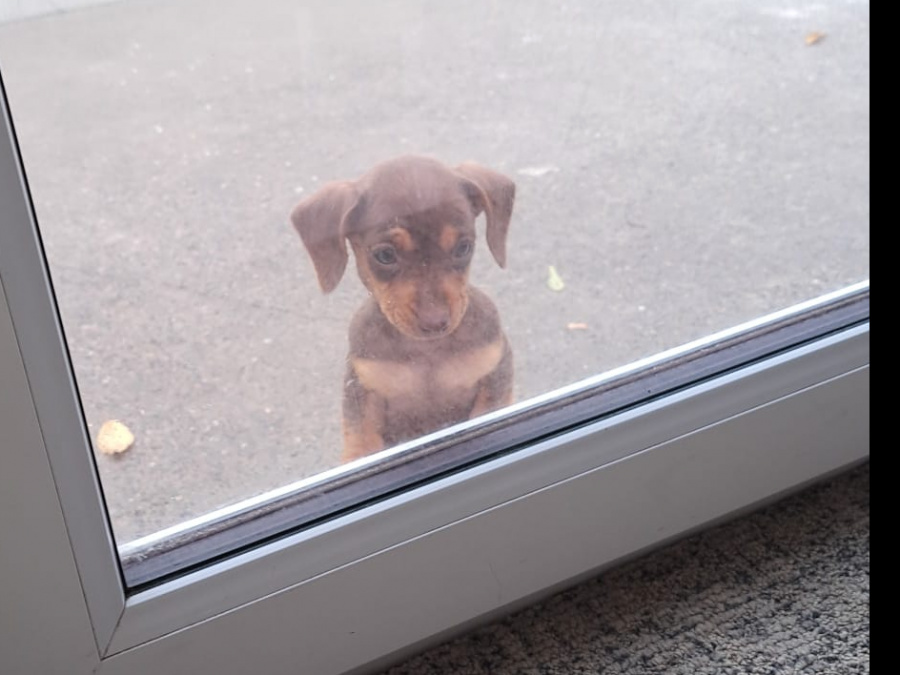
(678, 169)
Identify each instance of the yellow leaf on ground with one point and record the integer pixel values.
(114, 437)
(555, 281)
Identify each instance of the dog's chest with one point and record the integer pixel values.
(429, 381)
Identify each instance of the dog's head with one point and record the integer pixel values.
(411, 224)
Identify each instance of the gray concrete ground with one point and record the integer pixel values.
(685, 167)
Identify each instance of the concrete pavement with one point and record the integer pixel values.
(684, 166)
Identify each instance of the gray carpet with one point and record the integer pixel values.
(783, 590)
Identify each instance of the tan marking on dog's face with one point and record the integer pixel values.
(455, 292)
(402, 239)
(388, 378)
(463, 371)
(424, 286)
(400, 301)
(394, 297)
(449, 237)
(397, 300)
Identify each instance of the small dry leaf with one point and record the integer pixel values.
(576, 325)
(554, 281)
(814, 37)
(114, 437)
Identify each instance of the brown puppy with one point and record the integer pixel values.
(426, 349)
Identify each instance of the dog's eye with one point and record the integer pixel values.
(463, 249)
(386, 255)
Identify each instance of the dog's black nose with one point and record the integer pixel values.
(433, 320)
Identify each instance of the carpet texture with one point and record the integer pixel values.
(783, 590)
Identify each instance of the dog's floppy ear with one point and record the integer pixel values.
(319, 219)
(494, 194)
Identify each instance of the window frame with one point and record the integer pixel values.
(361, 590)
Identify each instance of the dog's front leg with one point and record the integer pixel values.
(363, 419)
(495, 390)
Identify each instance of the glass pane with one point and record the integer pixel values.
(678, 169)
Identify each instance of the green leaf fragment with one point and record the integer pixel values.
(555, 281)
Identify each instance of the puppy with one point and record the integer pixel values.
(426, 349)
